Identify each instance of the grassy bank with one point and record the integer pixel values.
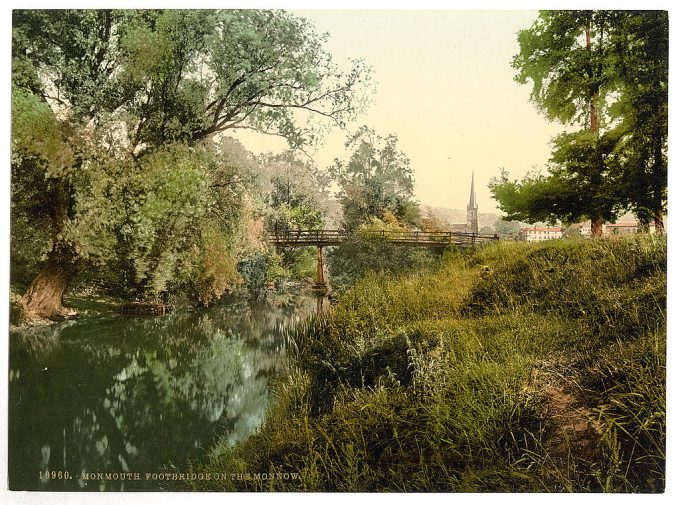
(519, 367)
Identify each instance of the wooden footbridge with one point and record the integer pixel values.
(324, 238)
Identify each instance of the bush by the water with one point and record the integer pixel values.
(519, 367)
(353, 259)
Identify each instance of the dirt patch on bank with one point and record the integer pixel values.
(574, 432)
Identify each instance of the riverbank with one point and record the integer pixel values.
(519, 367)
(91, 302)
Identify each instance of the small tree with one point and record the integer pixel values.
(295, 192)
(376, 178)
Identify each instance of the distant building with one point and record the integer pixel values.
(538, 234)
(472, 222)
(621, 228)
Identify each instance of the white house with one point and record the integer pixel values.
(537, 233)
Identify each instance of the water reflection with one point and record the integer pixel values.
(121, 394)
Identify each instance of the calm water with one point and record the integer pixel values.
(133, 394)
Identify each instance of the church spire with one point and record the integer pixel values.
(472, 222)
(473, 197)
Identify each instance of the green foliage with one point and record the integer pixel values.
(376, 193)
(258, 270)
(295, 193)
(606, 71)
(304, 267)
(37, 133)
(70, 58)
(579, 185)
(584, 162)
(17, 311)
(641, 43)
(181, 220)
(113, 112)
(431, 222)
(170, 186)
(216, 272)
(377, 178)
(535, 198)
(420, 385)
(566, 73)
(180, 75)
(367, 252)
(506, 227)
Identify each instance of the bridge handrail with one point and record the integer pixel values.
(409, 236)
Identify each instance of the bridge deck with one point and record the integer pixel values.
(323, 238)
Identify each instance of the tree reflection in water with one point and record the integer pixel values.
(121, 394)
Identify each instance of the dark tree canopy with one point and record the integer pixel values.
(641, 47)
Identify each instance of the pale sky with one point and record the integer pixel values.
(445, 87)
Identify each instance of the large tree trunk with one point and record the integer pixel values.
(596, 222)
(44, 295)
(596, 225)
(659, 182)
(658, 223)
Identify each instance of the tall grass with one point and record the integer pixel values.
(450, 380)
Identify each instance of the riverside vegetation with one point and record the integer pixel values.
(517, 367)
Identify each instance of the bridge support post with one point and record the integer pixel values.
(320, 281)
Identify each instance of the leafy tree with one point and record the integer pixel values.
(376, 193)
(376, 178)
(103, 98)
(564, 54)
(181, 215)
(295, 193)
(504, 227)
(574, 189)
(640, 42)
(432, 222)
(607, 72)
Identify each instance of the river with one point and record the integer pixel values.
(103, 398)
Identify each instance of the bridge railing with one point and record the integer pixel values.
(334, 237)
(306, 236)
(409, 237)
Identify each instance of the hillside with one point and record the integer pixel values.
(519, 367)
